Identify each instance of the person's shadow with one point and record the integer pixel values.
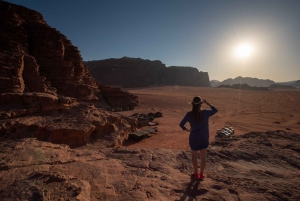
(192, 191)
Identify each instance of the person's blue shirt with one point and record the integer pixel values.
(199, 131)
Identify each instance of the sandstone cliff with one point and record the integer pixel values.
(37, 58)
(135, 72)
(46, 92)
(185, 76)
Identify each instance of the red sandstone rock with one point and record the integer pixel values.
(75, 126)
(34, 170)
(43, 78)
(37, 58)
(117, 97)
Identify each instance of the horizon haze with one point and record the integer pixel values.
(201, 34)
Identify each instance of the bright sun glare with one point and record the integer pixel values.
(244, 50)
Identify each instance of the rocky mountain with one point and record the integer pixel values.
(286, 83)
(46, 91)
(244, 86)
(136, 72)
(253, 82)
(296, 84)
(214, 83)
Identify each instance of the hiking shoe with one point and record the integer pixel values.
(195, 176)
(201, 176)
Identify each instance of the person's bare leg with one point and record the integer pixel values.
(194, 161)
(202, 160)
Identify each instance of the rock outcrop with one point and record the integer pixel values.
(135, 72)
(46, 92)
(118, 98)
(34, 170)
(33, 52)
(74, 126)
(37, 58)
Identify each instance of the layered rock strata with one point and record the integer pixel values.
(37, 58)
(74, 126)
(45, 89)
(21, 104)
(135, 72)
(32, 52)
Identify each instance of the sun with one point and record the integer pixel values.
(244, 50)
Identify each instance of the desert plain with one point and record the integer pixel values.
(244, 110)
(260, 161)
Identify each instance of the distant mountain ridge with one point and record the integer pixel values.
(136, 72)
(287, 83)
(281, 86)
(244, 86)
(253, 82)
(296, 84)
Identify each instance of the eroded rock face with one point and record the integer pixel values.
(238, 168)
(75, 126)
(135, 72)
(185, 76)
(37, 58)
(21, 104)
(117, 97)
(33, 52)
(46, 91)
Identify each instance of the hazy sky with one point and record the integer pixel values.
(197, 33)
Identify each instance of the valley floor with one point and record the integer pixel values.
(244, 110)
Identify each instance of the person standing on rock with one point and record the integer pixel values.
(199, 132)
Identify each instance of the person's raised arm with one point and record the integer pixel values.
(213, 110)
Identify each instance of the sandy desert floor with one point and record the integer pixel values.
(244, 110)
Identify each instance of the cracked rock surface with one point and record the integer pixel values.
(254, 166)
